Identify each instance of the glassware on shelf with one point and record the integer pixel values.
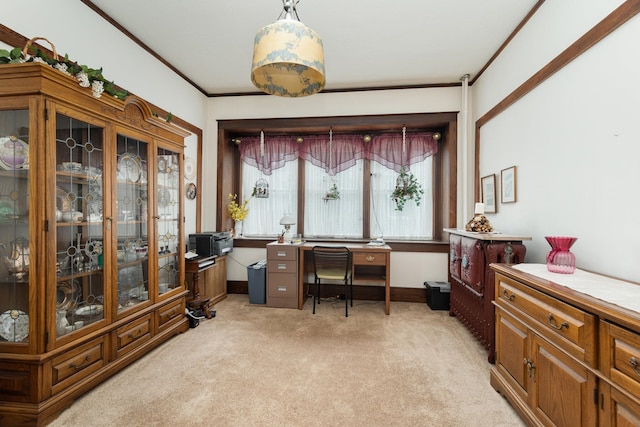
(61, 322)
(16, 257)
(560, 259)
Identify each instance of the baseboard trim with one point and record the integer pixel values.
(361, 292)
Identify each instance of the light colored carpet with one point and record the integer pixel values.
(258, 366)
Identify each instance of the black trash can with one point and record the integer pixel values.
(257, 281)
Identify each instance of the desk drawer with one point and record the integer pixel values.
(369, 258)
(282, 285)
(282, 266)
(282, 252)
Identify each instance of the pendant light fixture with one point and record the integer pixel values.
(288, 57)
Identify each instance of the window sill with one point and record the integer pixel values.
(396, 245)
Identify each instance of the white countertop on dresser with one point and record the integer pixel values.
(613, 291)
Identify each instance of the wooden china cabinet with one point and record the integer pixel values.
(91, 239)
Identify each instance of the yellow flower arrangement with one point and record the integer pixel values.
(238, 212)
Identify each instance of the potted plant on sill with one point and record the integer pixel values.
(407, 188)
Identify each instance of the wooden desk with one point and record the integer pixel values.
(371, 264)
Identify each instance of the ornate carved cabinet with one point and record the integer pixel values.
(472, 280)
(563, 357)
(91, 239)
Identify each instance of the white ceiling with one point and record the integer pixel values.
(367, 43)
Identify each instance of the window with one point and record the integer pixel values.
(265, 213)
(333, 211)
(413, 222)
(334, 178)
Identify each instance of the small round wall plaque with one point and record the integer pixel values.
(191, 191)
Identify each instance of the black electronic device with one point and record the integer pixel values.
(202, 243)
(209, 243)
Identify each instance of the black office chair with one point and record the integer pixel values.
(332, 263)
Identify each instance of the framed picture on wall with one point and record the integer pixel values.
(508, 185)
(489, 193)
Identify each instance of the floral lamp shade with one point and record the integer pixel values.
(288, 60)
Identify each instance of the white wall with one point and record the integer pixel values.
(408, 269)
(575, 139)
(88, 39)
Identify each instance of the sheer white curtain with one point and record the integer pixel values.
(338, 159)
(265, 213)
(413, 222)
(333, 218)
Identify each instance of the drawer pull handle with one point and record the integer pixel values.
(507, 295)
(634, 363)
(136, 335)
(552, 323)
(84, 362)
(370, 258)
(282, 289)
(282, 266)
(281, 253)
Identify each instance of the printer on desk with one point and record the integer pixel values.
(210, 243)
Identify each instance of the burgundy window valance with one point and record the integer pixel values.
(346, 149)
(387, 149)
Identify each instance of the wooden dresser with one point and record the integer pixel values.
(472, 280)
(565, 357)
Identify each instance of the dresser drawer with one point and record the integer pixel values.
(620, 356)
(280, 252)
(557, 321)
(170, 314)
(369, 258)
(72, 366)
(282, 266)
(132, 335)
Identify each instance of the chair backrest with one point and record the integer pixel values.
(334, 258)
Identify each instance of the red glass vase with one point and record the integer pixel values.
(561, 259)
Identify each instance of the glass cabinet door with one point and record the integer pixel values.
(168, 220)
(132, 224)
(80, 281)
(14, 226)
